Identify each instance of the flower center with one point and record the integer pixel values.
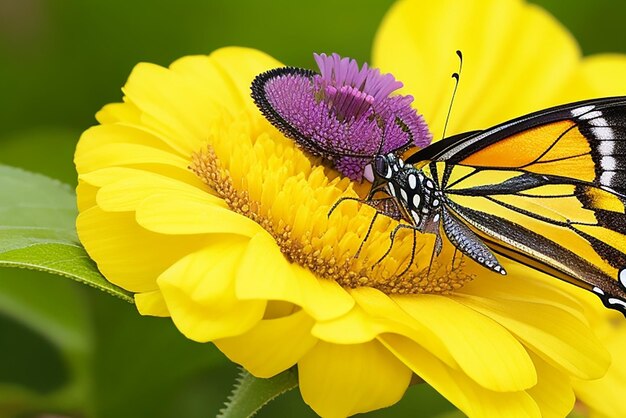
(297, 217)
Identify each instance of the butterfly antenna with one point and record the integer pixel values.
(383, 127)
(457, 78)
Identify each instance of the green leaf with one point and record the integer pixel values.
(251, 393)
(37, 217)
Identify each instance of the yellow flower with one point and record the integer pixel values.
(605, 397)
(191, 199)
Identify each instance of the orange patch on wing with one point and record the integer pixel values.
(572, 143)
(520, 149)
(581, 168)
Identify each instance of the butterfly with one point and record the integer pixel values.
(547, 189)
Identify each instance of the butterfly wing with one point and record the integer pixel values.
(547, 189)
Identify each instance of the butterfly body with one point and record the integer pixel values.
(425, 207)
(547, 189)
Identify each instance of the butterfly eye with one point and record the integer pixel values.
(381, 166)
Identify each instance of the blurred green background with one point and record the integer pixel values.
(70, 350)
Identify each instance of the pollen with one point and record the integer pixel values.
(296, 214)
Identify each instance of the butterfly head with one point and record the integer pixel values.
(414, 189)
(382, 170)
(384, 166)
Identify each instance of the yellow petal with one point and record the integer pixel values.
(118, 112)
(471, 398)
(116, 155)
(484, 350)
(173, 105)
(598, 75)
(272, 346)
(605, 396)
(525, 284)
(128, 255)
(264, 273)
(605, 74)
(85, 195)
(180, 213)
(341, 380)
(516, 58)
(199, 291)
(227, 74)
(210, 79)
(552, 333)
(126, 194)
(553, 393)
(375, 314)
(94, 138)
(239, 66)
(151, 303)
(184, 102)
(106, 176)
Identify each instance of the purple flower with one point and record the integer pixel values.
(345, 113)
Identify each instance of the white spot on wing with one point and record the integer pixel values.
(436, 217)
(622, 277)
(412, 181)
(598, 290)
(608, 163)
(591, 115)
(582, 110)
(404, 195)
(603, 133)
(391, 189)
(607, 147)
(416, 217)
(607, 178)
(416, 200)
(598, 122)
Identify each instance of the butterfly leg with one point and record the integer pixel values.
(341, 200)
(367, 234)
(454, 259)
(392, 238)
(408, 266)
